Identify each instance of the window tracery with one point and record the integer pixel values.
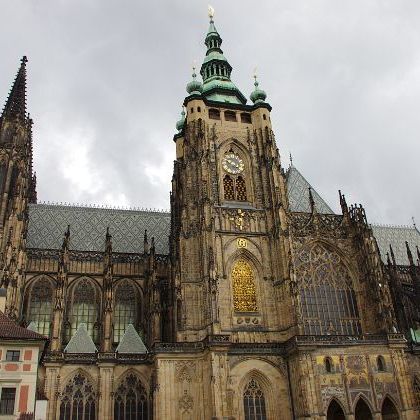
(240, 189)
(327, 298)
(254, 401)
(131, 401)
(40, 305)
(244, 292)
(78, 400)
(125, 310)
(84, 308)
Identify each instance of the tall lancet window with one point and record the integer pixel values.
(327, 298)
(40, 305)
(84, 309)
(243, 285)
(254, 401)
(125, 310)
(131, 400)
(78, 400)
(240, 189)
(228, 188)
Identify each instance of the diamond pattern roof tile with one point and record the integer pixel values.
(131, 342)
(81, 342)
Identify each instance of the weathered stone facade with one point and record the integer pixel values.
(255, 311)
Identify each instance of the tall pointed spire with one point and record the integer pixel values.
(216, 70)
(16, 102)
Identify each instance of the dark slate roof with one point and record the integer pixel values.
(298, 193)
(131, 342)
(48, 222)
(81, 342)
(9, 330)
(396, 237)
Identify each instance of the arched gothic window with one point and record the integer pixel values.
(78, 400)
(244, 293)
(327, 298)
(254, 401)
(40, 305)
(362, 411)
(381, 364)
(240, 189)
(389, 411)
(84, 308)
(328, 365)
(125, 310)
(228, 188)
(130, 400)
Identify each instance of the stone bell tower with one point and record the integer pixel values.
(229, 243)
(17, 187)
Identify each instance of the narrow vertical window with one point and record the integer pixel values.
(40, 305)
(125, 310)
(84, 308)
(131, 400)
(228, 188)
(244, 294)
(254, 401)
(240, 189)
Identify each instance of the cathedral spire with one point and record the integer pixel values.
(16, 102)
(216, 70)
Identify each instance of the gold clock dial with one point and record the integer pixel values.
(233, 164)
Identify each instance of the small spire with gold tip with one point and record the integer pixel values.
(211, 12)
(258, 95)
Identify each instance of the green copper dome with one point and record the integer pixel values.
(216, 71)
(181, 122)
(195, 87)
(258, 95)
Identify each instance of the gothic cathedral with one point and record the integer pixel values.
(250, 300)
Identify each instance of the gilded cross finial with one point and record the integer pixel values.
(291, 159)
(211, 12)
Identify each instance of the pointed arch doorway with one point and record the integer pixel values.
(389, 411)
(335, 412)
(362, 411)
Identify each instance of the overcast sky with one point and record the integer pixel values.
(107, 80)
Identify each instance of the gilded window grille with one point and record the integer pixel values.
(125, 310)
(244, 293)
(254, 401)
(240, 189)
(327, 298)
(78, 400)
(131, 400)
(228, 188)
(40, 305)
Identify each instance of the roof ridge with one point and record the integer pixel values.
(100, 206)
(385, 225)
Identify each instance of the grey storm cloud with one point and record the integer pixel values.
(107, 80)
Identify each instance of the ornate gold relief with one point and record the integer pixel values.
(244, 294)
(242, 243)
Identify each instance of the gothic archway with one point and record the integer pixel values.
(131, 400)
(78, 399)
(335, 412)
(254, 401)
(327, 299)
(243, 286)
(40, 305)
(362, 411)
(389, 411)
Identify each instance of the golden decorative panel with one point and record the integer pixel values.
(244, 294)
(242, 242)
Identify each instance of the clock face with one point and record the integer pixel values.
(233, 164)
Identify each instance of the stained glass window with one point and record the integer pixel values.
(240, 189)
(131, 401)
(125, 312)
(78, 400)
(254, 402)
(84, 308)
(40, 305)
(327, 298)
(228, 188)
(244, 294)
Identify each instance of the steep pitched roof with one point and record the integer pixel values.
(81, 342)
(298, 193)
(131, 342)
(9, 330)
(47, 224)
(396, 236)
